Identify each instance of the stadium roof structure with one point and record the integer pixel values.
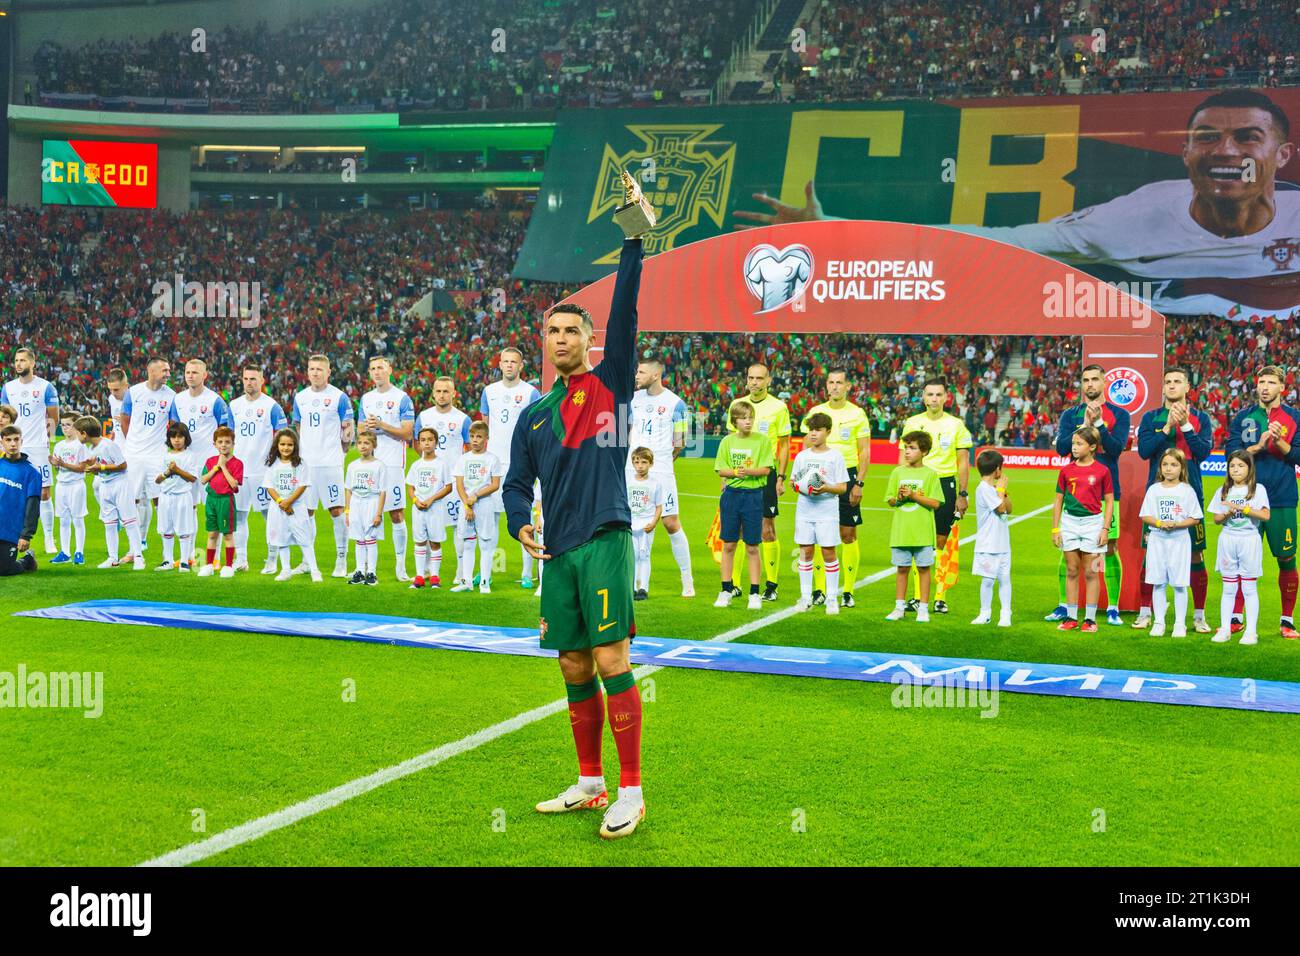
(385, 131)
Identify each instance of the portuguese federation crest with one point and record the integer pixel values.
(680, 179)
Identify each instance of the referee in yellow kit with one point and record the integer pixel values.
(851, 434)
(950, 458)
(771, 418)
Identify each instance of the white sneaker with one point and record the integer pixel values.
(166, 566)
(340, 569)
(207, 571)
(803, 604)
(460, 587)
(1249, 639)
(107, 563)
(1222, 636)
(1004, 620)
(138, 563)
(227, 572)
(1202, 626)
(575, 798)
(1180, 630)
(1142, 622)
(284, 576)
(485, 588)
(1158, 629)
(922, 615)
(270, 568)
(538, 592)
(896, 614)
(755, 602)
(316, 577)
(622, 817)
(724, 599)
(241, 565)
(300, 569)
(402, 575)
(50, 547)
(832, 605)
(986, 617)
(688, 589)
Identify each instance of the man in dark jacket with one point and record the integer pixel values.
(20, 504)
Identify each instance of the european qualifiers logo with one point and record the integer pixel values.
(681, 175)
(777, 276)
(208, 300)
(1126, 388)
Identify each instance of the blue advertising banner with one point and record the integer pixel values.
(980, 679)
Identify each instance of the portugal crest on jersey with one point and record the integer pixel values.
(1281, 252)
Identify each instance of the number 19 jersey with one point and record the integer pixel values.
(319, 416)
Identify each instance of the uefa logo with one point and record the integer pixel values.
(1126, 388)
(777, 277)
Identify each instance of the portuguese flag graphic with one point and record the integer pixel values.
(98, 173)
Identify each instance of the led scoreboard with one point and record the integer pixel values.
(82, 172)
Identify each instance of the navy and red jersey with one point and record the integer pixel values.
(1114, 436)
(1084, 488)
(1195, 440)
(1273, 470)
(572, 439)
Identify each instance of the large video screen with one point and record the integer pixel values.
(81, 172)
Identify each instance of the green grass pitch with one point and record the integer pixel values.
(739, 769)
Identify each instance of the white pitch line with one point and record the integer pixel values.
(260, 827)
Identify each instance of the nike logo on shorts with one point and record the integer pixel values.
(605, 627)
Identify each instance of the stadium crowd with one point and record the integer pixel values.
(77, 286)
(590, 54)
(1023, 47)
(410, 55)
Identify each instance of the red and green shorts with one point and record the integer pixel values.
(587, 593)
(219, 512)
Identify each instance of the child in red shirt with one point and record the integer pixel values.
(223, 473)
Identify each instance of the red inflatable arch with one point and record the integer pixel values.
(896, 279)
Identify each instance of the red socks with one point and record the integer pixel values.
(230, 557)
(1287, 582)
(587, 715)
(212, 555)
(624, 704)
(1200, 587)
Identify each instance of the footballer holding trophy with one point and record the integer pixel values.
(569, 439)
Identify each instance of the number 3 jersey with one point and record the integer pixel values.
(501, 407)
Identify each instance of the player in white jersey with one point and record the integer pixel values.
(203, 411)
(660, 423)
(108, 463)
(992, 564)
(451, 425)
(325, 420)
(117, 386)
(256, 417)
(142, 436)
(1223, 241)
(500, 406)
(645, 499)
(388, 411)
(38, 417)
(70, 456)
(819, 476)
